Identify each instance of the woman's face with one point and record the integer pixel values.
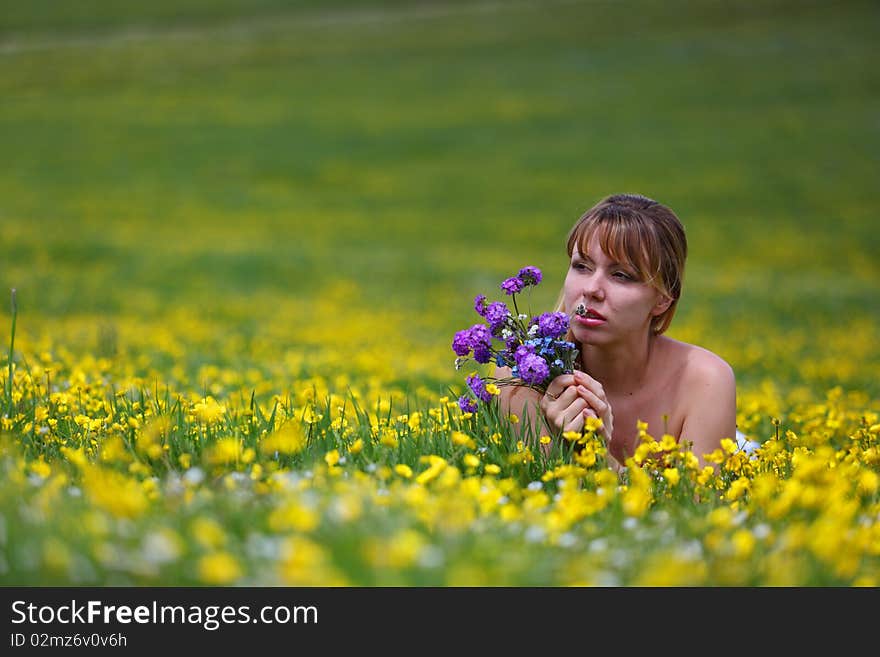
(618, 305)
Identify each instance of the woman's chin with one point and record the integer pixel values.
(586, 335)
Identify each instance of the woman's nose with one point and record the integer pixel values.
(594, 288)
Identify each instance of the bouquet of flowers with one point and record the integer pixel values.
(533, 348)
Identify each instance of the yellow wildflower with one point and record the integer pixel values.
(593, 424)
(114, 492)
(208, 532)
(289, 439)
(471, 460)
(729, 446)
(224, 451)
(671, 475)
(438, 464)
(218, 568)
(208, 411)
(743, 542)
(294, 515)
(462, 439)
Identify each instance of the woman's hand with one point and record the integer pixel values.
(571, 398)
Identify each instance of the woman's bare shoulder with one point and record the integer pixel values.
(698, 365)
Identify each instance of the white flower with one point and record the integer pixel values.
(761, 531)
(194, 476)
(598, 545)
(159, 548)
(535, 534)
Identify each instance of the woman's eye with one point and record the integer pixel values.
(623, 276)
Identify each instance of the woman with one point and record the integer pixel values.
(627, 257)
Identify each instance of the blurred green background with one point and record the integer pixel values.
(364, 169)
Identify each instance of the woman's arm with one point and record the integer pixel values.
(523, 402)
(710, 394)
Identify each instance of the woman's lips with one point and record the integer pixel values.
(589, 317)
(590, 321)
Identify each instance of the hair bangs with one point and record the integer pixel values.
(624, 239)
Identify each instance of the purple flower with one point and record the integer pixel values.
(496, 314)
(534, 353)
(480, 336)
(480, 304)
(512, 285)
(552, 325)
(478, 387)
(522, 351)
(467, 405)
(482, 353)
(476, 338)
(530, 275)
(533, 369)
(461, 344)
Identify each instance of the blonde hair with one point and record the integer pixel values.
(642, 233)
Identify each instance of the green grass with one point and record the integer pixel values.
(297, 202)
(425, 155)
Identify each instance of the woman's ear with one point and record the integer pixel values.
(662, 305)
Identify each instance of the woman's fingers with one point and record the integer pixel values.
(573, 418)
(563, 382)
(577, 424)
(553, 402)
(599, 408)
(584, 379)
(564, 410)
(596, 403)
(559, 385)
(571, 398)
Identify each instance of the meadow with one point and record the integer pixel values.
(242, 235)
